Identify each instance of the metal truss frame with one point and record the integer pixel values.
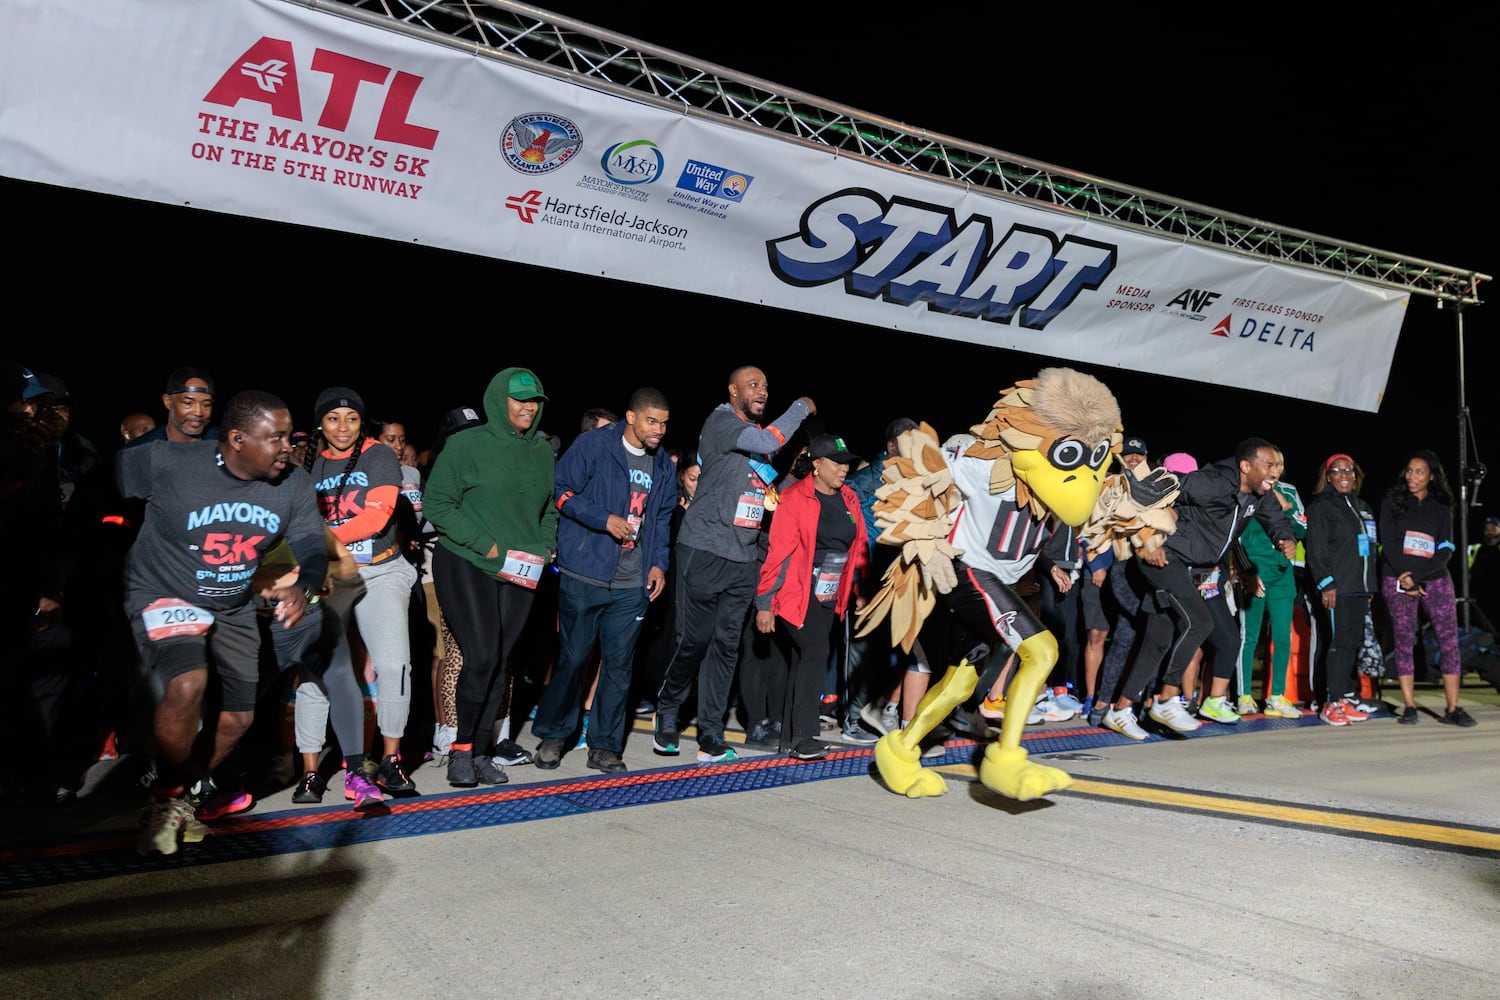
(593, 57)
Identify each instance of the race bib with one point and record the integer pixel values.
(1207, 582)
(634, 520)
(1419, 544)
(169, 618)
(522, 568)
(360, 550)
(1367, 538)
(826, 579)
(751, 509)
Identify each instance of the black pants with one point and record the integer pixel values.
(1343, 633)
(487, 616)
(713, 597)
(1192, 619)
(806, 666)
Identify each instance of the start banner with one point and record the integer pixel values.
(274, 110)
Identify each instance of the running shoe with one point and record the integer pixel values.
(713, 750)
(509, 753)
(360, 790)
(1458, 717)
(1048, 707)
(1333, 714)
(310, 789)
(1277, 706)
(389, 774)
(1219, 711)
(1173, 714)
(664, 741)
(1246, 706)
(166, 823)
(1408, 716)
(1122, 721)
(809, 749)
(1352, 711)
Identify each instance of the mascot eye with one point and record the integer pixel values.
(1100, 455)
(1067, 454)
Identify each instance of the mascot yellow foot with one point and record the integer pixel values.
(901, 769)
(898, 755)
(1007, 771)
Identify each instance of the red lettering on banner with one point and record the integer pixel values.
(267, 73)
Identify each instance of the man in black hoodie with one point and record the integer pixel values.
(1215, 505)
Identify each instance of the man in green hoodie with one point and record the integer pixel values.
(490, 497)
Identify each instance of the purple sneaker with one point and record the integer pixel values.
(361, 790)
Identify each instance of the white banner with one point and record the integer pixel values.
(267, 109)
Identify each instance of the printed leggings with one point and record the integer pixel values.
(1441, 608)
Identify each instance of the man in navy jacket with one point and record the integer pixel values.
(616, 489)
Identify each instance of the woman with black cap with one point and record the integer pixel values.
(817, 545)
(359, 483)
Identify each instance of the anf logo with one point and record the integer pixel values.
(267, 74)
(1195, 300)
(525, 205)
(1222, 330)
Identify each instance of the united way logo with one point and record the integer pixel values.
(714, 181)
(539, 143)
(635, 162)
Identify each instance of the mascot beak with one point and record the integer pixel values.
(1068, 493)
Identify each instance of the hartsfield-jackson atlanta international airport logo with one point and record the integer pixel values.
(539, 142)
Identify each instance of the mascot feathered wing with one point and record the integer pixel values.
(1049, 439)
(913, 508)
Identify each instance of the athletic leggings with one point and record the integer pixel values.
(1440, 607)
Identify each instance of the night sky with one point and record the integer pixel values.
(1376, 142)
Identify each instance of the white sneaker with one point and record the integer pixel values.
(1122, 721)
(1049, 709)
(1171, 713)
(881, 720)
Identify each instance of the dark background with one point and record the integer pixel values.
(1376, 139)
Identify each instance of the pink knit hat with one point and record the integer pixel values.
(1180, 462)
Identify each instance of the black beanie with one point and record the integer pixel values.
(336, 396)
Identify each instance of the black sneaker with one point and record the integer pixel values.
(809, 749)
(762, 735)
(1458, 717)
(549, 754)
(606, 760)
(510, 753)
(389, 774)
(310, 789)
(713, 750)
(1408, 716)
(486, 773)
(645, 708)
(664, 742)
(461, 769)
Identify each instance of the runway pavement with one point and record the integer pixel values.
(1274, 858)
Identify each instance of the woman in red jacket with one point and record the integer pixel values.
(817, 544)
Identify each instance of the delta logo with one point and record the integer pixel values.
(1266, 332)
(1191, 303)
(539, 142)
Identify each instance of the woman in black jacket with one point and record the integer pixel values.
(1416, 526)
(1341, 560)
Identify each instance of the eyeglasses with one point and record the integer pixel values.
(1341, 472)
